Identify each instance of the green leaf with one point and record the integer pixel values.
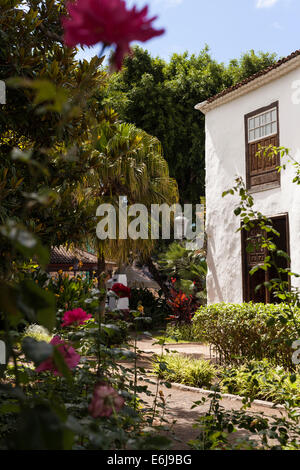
(40, 429)
(293, 378)
(8, 303)
(271, 322)
(37, 304)
(25, 242)
(237, 211)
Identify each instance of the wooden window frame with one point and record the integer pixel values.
(266, 185)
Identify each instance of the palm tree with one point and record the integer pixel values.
(125, 161)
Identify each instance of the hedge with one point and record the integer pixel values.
(248, 331)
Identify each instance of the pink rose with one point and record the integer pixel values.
(69, 354)
(76, 316)
(105, 400)
(108, 22)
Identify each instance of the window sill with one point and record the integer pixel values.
(264, 187)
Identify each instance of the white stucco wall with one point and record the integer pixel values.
(225, 159)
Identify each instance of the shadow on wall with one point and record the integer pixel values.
(214, 278)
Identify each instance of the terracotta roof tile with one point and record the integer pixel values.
(253, 77)
(60, 255)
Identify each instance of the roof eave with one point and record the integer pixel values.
(258, 82)
(201, 106)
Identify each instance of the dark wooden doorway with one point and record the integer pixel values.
(257, 256)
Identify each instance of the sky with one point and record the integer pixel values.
(228, 27)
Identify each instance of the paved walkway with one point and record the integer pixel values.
(179, 402)
(196, 350)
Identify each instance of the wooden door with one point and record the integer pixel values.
(253, 255)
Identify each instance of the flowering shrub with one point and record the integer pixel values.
(71, 358)
(75, 317)
(70, 292)
(109, 22)
(105, 401)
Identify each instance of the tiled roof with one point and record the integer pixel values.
(253, 77)
(60, 255)
(139, 277)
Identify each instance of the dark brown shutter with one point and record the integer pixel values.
(261, 169)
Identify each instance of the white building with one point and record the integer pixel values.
(263, 109)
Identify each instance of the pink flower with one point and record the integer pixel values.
(69, 354)
(109, 22)
(105, 400)
(76, 316)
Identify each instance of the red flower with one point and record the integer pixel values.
(109, 22)
(76, 316)
(69, 354)
(121, 291)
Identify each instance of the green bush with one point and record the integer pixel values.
(120, 333)
(180, 333)
(262, 380)
(248, 331)
(187, 371)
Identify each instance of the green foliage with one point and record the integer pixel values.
(50, 106)
(248, 331)
(188, 267)
(177, 368)
(180, 333)
(262, 380)
(119, 335)
(254, 380)
(218, 429)
(129, 163)
(72, 292)
(155, 306)
(159, 98)
(249, 64)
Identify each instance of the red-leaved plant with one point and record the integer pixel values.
(183, 306)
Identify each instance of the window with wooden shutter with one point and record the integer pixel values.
(262, 130)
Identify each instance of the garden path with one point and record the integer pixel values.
(179, 402)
